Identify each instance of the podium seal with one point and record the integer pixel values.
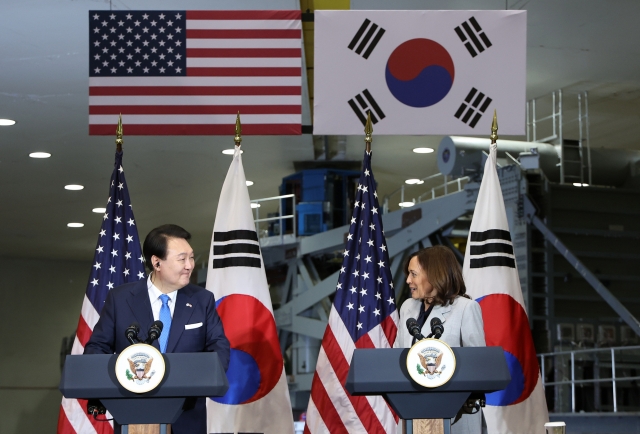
(140, 368)
(431, 362)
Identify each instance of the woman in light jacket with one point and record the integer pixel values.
(437, 290)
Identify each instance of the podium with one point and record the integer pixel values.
(187, 376)
(384, 372)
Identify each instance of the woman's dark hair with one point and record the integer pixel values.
(156, 242)
(443, 272)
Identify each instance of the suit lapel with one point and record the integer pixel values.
(181, 315)
(140, 305)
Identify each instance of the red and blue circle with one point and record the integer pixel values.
(255, 365)
(420, 73)
(506, 325)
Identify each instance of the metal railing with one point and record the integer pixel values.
(429, 194)
(280, 218)
(596, 379)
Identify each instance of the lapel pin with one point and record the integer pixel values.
(189, 305)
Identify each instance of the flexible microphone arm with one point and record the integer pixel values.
(131, 333)
(154, 332)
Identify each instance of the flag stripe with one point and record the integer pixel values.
(244, 52)
(244, 62)
(194, 90)
(236, 261)
(244, 72)
(239, 234)
(244, 34)
(236, 248)
(359, 33)
(243, 44)
(83, 332)
(329, 415)
(194, 110)
(198, 130)
(245, 15)
(491, 248)
(197, 119)
(373, 44)
(493, 261)
(194, 100)
(497, 234)
(194, 81)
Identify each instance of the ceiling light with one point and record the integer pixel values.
(577, 184)
(255, 205)
(7, 122)
(231, 151)
(423, 150)
(249, 183)
(75, 225)
(414, 181)
(73, 187)
(39, 155)
(99, 210)
(406, 204)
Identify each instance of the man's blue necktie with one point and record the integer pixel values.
(165, 317)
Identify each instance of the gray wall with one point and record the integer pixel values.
(40, 303)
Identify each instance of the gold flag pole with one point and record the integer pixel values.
(238, 137)
(368, 130)
(494, 128)
(119, 140)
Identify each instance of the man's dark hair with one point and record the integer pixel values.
(156, 242)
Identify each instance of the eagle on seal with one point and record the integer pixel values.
(141, 369)
(430, 363)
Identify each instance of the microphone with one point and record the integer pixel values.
(437, 328)
(154, 331)
(131, 333)
(414, 330)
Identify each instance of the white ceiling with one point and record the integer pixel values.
(572, 44)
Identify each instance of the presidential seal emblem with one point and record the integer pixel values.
(431, 362)
(140, 368)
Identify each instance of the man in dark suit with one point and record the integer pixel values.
(167, 296)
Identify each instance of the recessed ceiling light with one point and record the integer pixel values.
(39, 155)
(423, 150)
(99, 210)
(255, 205)
(406, 204)
(249, 183)
(231, 151)
(7, 122)
(414, 181)
(75, 225)
(577, 184)
(73, 187)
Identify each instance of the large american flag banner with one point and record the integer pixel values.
(363, 315)
(191, 72)
(117, 260)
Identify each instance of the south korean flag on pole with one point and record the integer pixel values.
(419, 72)
(257, 401)
(491, 276)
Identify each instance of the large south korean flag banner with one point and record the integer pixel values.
(419, 72)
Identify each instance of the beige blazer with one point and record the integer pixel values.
(463, 327)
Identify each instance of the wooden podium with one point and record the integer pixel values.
(187, 375)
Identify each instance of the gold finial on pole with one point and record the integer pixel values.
(119, 135)
(368, 130)
(238, 137)
(494, 128)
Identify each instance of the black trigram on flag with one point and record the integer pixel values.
(473, 37)
(236, 249)
(492, 248)
(372, 37)
(364, 103)
(473, 107)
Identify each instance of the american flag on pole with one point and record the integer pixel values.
(363, 315)
(491, 275)
(117, 260)
(190, 72)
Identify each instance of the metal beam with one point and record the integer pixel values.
(616, 305)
